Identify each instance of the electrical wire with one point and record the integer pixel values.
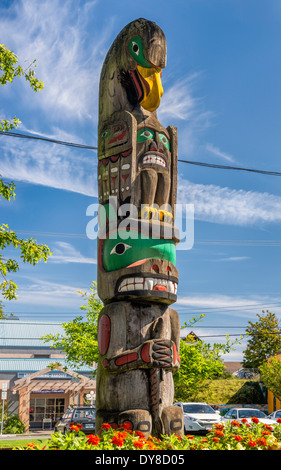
(89, 147)
(47, 139)
(226, 167)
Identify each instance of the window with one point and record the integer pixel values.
(40, 408)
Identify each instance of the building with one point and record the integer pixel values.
(39, 385)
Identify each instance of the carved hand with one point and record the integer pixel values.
(162, 353)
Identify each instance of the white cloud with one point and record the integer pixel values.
(68, 58)
(228, 305)
(39, 292)
(49, 165)
(220, 310)
(216, 151)
(224, 205)
(179, 102)
(65, 253)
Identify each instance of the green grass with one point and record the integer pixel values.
(20, 442)
(233, 390)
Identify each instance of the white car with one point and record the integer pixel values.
(237, 414)
(275, 415)
(198, 417)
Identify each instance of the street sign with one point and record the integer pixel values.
(4, 386)
(4, 395)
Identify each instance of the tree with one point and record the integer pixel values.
(30, 251)
(10, 70)
(264, 342)
(271, 375)
(200, 361)
(80, 338)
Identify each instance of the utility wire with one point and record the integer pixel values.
(225, 167)
(198, 242)
(46, 139)
(88, 147)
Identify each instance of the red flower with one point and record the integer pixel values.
(93, 439)
(279, 420)
(252, 443)
(122, 435)
(268, 428)
(31, 445)
(261, 441)
(235, 423)
(255, 420)
(219, 433)
(126, 425)
(75, 427)
(215, 439)
(105, 426)
(151, 446)
(219, 426)
(117, 441)
(139, 444)
(238, 438)
(244, 420)
(140, 434)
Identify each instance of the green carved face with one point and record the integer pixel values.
(136, 50)
(118, 253)
(149, 134)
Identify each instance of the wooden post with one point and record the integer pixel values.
(24, 399)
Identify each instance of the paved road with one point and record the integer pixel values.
(42, 434)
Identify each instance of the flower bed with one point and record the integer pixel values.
(235, 435)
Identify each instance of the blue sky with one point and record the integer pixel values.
(221, 90)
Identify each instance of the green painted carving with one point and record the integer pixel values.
(119, 253)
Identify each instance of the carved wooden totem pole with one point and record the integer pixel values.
(138, 333)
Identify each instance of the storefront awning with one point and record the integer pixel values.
(35, 385)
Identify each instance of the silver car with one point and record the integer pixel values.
(237, 414)
(198, 417)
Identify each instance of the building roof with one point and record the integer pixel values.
(80, 382)
(33, 365)
(17, 333)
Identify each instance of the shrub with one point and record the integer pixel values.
(235, 435)
(13, 425)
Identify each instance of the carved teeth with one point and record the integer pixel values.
(147, 283)
(155, 160)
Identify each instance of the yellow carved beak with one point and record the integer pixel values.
(152, 87)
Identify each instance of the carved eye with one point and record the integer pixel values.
(144, 134)
(147, 134)
(164, 140)
(135, 48)
(105, 133)
(120, 249)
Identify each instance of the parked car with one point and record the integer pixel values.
(237, 414)
(275, 415)
(82, 415)
(198, 417)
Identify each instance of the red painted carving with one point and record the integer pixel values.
(145, 353)
(104, 334)
(126, 359)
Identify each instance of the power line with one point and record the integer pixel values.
(235, 308)
(46, 139)
(196, 242)
(88, 147)
(225, 167)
